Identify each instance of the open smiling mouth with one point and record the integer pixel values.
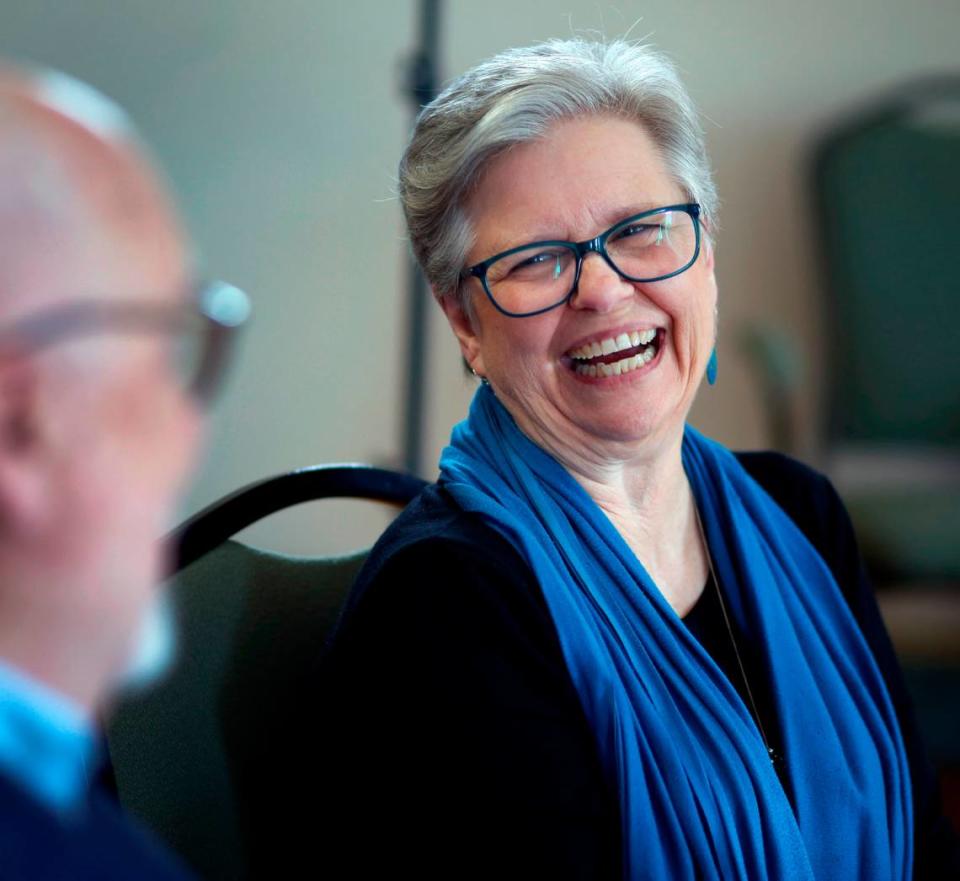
(615, 356)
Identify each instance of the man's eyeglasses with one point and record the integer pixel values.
(540, 276)
(203, 326)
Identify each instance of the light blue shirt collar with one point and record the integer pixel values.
(47, 742)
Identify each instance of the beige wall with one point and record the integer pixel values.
(280, 125)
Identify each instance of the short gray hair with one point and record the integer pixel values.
(514, 98)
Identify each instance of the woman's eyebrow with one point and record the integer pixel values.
(506, 241)
(548, 230)
(614, 216)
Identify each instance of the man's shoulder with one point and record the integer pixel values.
(98, 842)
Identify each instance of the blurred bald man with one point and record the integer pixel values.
(107, 348)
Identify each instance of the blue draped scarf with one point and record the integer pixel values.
(699, 798)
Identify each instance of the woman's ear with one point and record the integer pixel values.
(465, 328)
(706, 241)
(707, 248)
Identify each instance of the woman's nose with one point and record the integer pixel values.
(600, 287)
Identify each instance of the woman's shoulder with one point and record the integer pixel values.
(804, 493)
(810, 500)
(436, 565)
(794, 485)
(460, 615)
(443, 683)
(434, 534)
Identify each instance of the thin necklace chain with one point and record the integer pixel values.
(774, 756)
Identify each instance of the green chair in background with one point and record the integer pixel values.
(887, 190)
(886, 185)
(193, 757)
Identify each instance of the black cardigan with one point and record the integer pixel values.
(453, 739)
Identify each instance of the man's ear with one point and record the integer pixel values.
(21, 463)
(464, 328)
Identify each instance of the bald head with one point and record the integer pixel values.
(97, 431)
(82, 212)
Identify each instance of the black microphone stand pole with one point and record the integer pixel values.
(421, 88)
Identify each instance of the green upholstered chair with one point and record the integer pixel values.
(887, 188)
(886, 185)
(193, 757)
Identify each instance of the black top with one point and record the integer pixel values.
(456, 745)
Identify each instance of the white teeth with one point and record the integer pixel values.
(618, 368)
(611, 344)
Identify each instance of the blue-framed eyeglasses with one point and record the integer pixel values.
(203, 325)
(537, 277)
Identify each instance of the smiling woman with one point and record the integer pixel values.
(628, 279)
(603, 645)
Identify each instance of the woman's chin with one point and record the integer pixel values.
(630, 406)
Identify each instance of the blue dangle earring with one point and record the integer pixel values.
(712, 367)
